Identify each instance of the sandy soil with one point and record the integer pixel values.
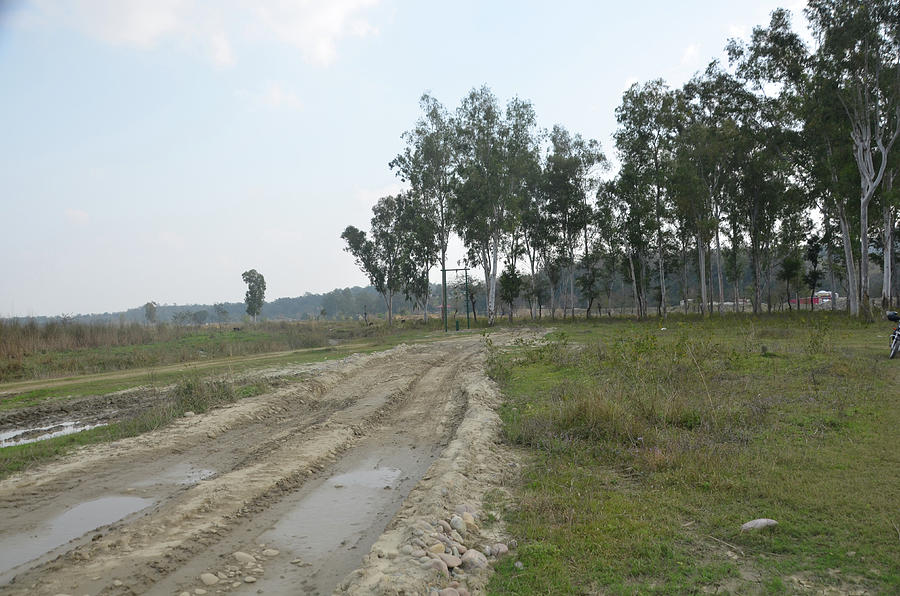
(319, 485)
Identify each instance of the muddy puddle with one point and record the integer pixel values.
(330, 515)
(22, 436)
(323, 530)
(16, 549)
(179, 474)
(334, 524)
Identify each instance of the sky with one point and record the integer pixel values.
(156, 149)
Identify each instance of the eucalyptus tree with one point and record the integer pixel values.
(380, 254)
(890, 198)
(570, 181)
(692, 212)
(770, 67)
(427, 163)
(709, 106)
(419, 246)
(859, 52)
(635, 210)
(523, 178)
(492, 151)
(830, 175)
(598, 243)
(644, 139)
(256, 292)
(607, 239)
(536, 235)
(150, 312)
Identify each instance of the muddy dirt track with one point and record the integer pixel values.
(320, 486)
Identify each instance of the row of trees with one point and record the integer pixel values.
(780, 155)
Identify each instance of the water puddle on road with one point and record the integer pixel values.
(332, 525)
(22, 436)
(182, 474)
(329, 516)
(20, 548)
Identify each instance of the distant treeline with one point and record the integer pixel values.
(341, 303)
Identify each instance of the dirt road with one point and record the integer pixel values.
(300, 483)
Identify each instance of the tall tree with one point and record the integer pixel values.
(428, 164)
(706, 146)
(490, 148)
(380, 254)
(419, 246)
(537, 237)
(569, 182)
(644, 138)
(859, 52)
(769, 139)
(256, 292)
(150, 312)
(634, 208)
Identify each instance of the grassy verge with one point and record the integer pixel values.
(651, 448)
(191, 393)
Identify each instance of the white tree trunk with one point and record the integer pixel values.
(852, 284)
(634, 283)
(888, 213)
(701, 254)
(492, 291)
(719, 269)
(662, 271)
(864, 257)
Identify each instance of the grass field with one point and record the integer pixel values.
(34, 352)
(651, 447)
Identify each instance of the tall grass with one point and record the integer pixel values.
(29, 350)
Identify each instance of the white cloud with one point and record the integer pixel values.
(138, 23)
(77, 217)
(690, 55)
(220, 50)
(313, 27)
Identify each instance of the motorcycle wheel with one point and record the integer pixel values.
(895, 346)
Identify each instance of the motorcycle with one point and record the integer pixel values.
(895, 336)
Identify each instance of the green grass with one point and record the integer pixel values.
(165, 345)
(652, 447)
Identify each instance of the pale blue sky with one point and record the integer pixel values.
(154, 150)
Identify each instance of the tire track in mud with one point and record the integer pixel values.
(262, 449)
